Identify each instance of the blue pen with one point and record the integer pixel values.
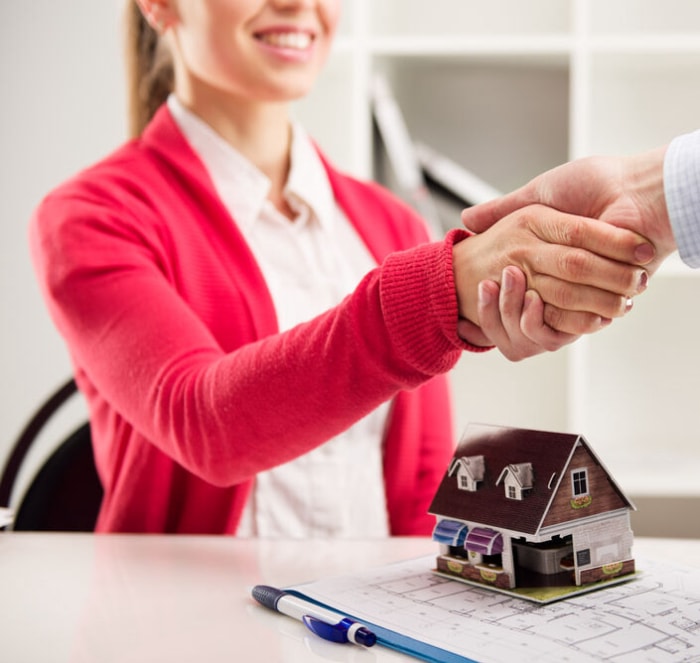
(323, 623)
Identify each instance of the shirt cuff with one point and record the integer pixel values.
(420, 303)
(682, 191)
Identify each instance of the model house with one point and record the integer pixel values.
(524, 508)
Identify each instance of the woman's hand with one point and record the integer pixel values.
(511, 318)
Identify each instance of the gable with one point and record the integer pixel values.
(602, 495)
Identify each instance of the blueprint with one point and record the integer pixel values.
(654, 618)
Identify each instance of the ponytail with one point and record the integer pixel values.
(149, 69)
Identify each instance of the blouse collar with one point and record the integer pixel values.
(242, 187)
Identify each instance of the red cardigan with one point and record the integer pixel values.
(172, 332)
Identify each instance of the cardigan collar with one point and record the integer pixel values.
(366, 211)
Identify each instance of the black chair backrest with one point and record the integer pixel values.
(66, 493)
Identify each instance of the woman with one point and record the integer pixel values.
(261, 339)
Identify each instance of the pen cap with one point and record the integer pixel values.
(364, 637)
(358, 634)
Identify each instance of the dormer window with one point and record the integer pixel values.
(579, 482)
(517, 480)
(469, 471)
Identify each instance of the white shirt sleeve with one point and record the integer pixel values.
(682, 190)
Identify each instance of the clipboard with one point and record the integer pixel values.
(415, 611)
(394, 639)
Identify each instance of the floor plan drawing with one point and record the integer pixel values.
(653, 618)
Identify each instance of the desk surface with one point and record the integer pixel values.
(79, 598)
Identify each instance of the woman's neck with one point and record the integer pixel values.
(259, 131)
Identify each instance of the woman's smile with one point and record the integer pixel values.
(295, 40)
(287, 44)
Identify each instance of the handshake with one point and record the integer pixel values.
(562, 256)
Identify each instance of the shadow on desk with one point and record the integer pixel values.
(667, 517)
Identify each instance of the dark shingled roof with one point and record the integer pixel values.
(548, 452)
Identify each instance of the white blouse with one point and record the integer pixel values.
(309, 265)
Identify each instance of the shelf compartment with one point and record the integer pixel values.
(469, 17)
(641, 100)
(503, 118)
(644, 16)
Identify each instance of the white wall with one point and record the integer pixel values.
(63, 106)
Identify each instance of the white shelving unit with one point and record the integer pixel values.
(510, 88)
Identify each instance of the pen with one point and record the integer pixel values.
(320, 621)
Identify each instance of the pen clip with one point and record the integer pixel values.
(333, 632)
(346, 630)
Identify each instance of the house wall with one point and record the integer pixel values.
(465, 480)
(472, 569)
(509, 483)
(604, 496)
(606, 541)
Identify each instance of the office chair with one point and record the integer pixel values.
(65, 494)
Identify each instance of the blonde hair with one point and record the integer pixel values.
(149, 69)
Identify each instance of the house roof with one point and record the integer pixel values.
(549, 454)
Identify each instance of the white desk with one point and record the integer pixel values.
(149, 599)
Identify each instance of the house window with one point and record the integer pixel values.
(583, 557)
(579, 482)
(464, 482)
(512, 494)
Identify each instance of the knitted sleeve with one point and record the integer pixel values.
(229, 402)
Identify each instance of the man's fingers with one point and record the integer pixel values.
(580, 266)
(601, 238)
(575, 297)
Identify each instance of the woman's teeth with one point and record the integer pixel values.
(296, 40)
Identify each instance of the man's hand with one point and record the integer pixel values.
(626, 192)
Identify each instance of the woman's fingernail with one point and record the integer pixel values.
(506, 280)
(483, 294)
(643, 281)
(644, 253)
(628, 305)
